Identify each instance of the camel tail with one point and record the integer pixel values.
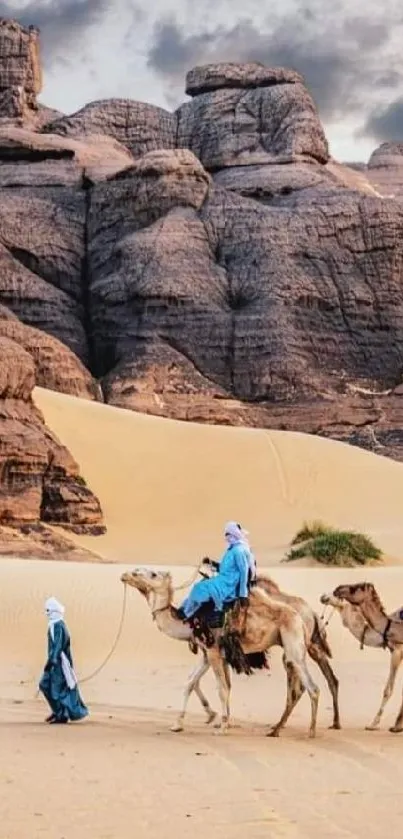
(230, 646)
(319, 638)
(258, 661)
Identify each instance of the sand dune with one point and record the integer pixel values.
(167, 487)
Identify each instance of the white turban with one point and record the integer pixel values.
(235, 534)
(54, 611)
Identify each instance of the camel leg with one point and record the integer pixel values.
(295, 689)
(398, 726)
(194, 685)
(221, 673)
(227, 675)
(395, 660)
(333, 683)
(295, 651)
(228, 681)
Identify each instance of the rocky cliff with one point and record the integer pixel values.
(212, 264)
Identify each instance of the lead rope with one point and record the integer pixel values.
(112, 650)
(325, 623)
(191, 580)
(114, 645)
(120, 628)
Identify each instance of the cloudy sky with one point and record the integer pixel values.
(352, 60)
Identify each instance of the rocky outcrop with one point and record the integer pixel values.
(56, 367)
(244, 115)
(64, 160)
(259, 303)
(40, 481)
(385, 170)
(214, 264)
(141, 128)
(20, 69)
(40, 541)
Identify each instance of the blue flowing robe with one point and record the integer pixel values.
(230, 582)
(65, 703)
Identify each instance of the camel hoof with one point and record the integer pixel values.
(275, 732)
(211, 717)
(312, 735)
(373, 728)
(177, 727)
(220, 724)
(396, 730)
(335, 727)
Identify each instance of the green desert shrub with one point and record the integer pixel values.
(333, 547)
(310, 530)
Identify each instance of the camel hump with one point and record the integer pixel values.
(267, 584)
(319, 638)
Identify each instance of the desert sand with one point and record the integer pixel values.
(166, 489)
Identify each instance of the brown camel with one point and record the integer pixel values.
(267, 622)
(353, 619)
(390, 630)
(318, 647)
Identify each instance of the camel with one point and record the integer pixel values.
(266, 622)
(388, 628)
(318, 647)
(353, 619)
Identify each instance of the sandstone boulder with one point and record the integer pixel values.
(56, 367)
(208, 77)
(385, 170)
(28, 158)
(137, 126)
(20, 68)
(40, 481)
(232, 121)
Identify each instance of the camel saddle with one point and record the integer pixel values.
(208, 618)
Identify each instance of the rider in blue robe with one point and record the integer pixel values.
(232, 579)
(58, 682)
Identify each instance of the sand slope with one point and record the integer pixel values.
(167, 487)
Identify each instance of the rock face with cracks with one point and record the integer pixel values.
(212, 264)
(40, 481)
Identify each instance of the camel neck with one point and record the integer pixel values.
(376, 617)
(354, 621)
(163, 614)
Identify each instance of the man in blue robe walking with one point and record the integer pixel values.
(58, 682)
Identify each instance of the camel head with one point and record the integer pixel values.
(149, 582)
(355, 594)
(331, 600)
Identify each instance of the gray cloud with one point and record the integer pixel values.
(63, 23)
(386, 124)
(347, 60)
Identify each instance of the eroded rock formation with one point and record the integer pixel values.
(212, 264)
(40, 481)
(20, 70)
